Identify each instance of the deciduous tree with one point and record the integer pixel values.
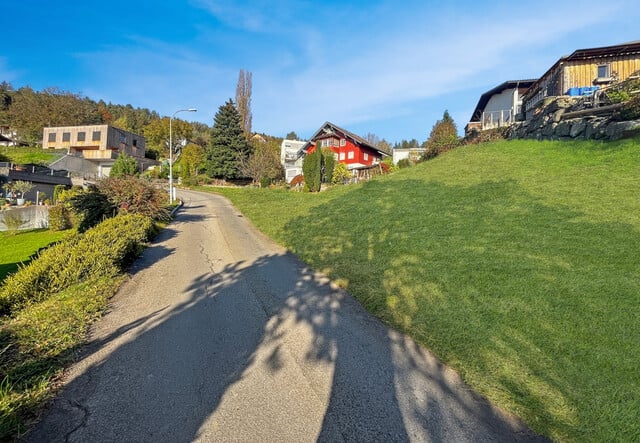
(264, 162)
(243, 101)
(443, 137)
(157, 134)
(124, 166)
(192, 160)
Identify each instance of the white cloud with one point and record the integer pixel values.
(406, 64)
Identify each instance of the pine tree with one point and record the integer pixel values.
(227, 145)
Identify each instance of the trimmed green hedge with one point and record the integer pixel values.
(102, 251)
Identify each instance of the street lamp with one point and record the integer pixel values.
(171, 151)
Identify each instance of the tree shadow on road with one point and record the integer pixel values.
(183, 373)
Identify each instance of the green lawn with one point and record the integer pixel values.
(18, 247)
(23, 155)
(517, 263)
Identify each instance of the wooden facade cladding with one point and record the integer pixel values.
(584, 68)
(94, 142)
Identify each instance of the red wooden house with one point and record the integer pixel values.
(350, 149)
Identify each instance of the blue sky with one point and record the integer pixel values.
(386, 67)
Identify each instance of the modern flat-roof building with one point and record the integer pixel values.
(99, 144)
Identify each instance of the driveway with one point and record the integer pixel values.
(221, 335)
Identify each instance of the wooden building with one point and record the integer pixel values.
(350, 149)
(99, 144)
(584, 69)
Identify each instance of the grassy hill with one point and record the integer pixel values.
(517, 263)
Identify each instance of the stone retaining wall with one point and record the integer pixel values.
(559, 119)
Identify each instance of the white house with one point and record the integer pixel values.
(499, 106)
(291, 157)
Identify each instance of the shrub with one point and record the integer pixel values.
(57, 190)
(404, 163)
(265, 182)
(329, 164)
(136, 196)
(312, 171)
(124, 166)
(22, 187)
(629, 110)
(59, 218)
(92, 207)
(297, 180)
(341, 174)
(102, 251)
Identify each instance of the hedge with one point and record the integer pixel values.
(104, 250)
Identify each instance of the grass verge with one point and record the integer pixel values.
(48, 306)
(37, 344)
(515, 262)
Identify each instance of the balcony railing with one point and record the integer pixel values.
(497, 119)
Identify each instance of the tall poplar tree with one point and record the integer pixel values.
(243, 101)
(228, 146)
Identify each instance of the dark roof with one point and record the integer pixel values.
(329, 127)
(39, 178)
(484, 98)
(608, 51)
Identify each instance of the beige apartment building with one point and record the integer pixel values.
(99, 144)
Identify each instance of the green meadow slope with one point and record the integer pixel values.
(517, 263)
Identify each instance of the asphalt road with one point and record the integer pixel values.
(221, 335)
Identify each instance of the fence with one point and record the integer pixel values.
(28, 217)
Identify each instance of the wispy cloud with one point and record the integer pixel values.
(404, 64)
(349, 64)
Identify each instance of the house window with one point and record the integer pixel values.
(335, 142)
(66, 136)
(341, 157)
(366, 156)
(96, 136)
(603, 71)
(351, 155)
(52, 137)
(135, 143)
(343, 142)
(328, 142)
(81, 136)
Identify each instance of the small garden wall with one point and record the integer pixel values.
(26, 217)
